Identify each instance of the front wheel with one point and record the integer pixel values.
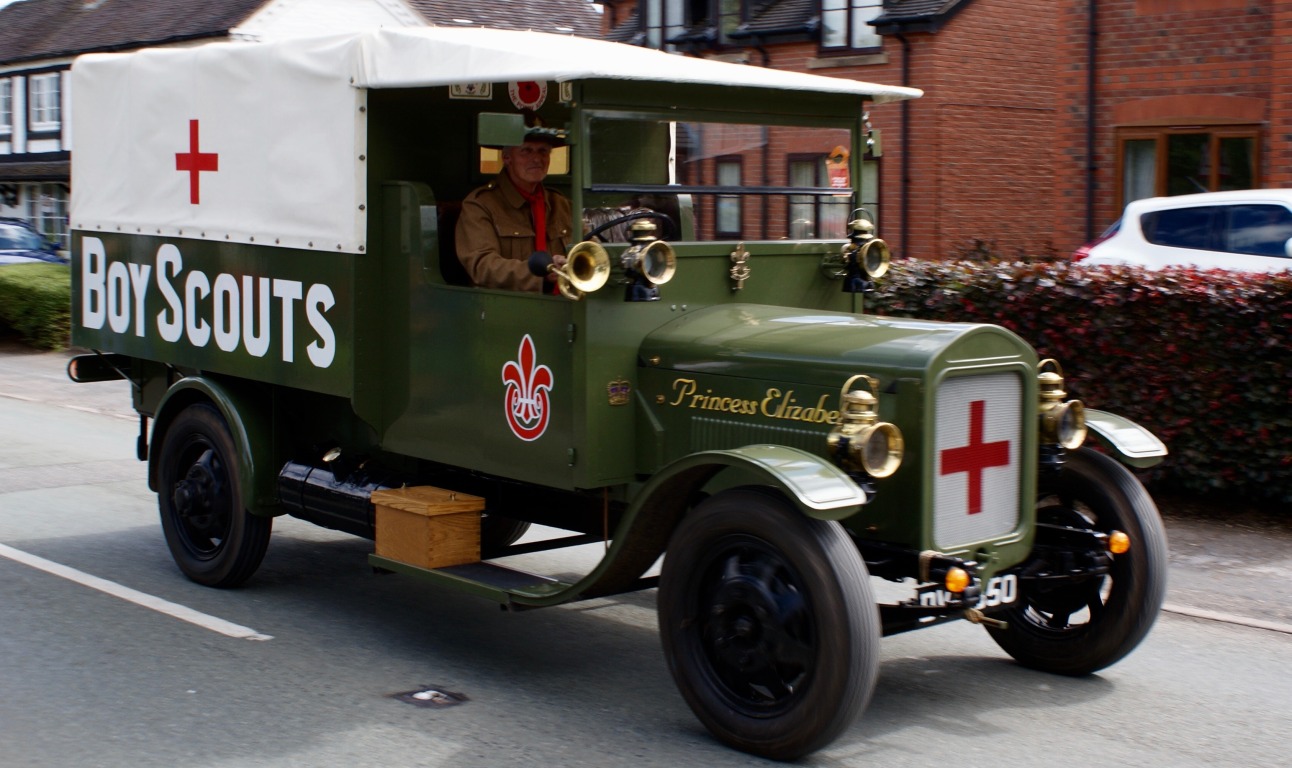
(211, 536)
(1075, 622)
(768, 623)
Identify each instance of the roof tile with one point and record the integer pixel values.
(577, 17)
(39, 29)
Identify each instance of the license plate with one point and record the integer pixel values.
(999, 590)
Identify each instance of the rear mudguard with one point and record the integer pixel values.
(1130, 443)
(249, 425)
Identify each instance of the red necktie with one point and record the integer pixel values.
(538, 212)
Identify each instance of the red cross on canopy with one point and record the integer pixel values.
(975, 457)
(194, 162)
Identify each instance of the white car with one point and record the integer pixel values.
(1247, 230)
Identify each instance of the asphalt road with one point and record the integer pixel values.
(98, 679)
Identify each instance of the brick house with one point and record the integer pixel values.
(1188, 96)
(968, 167)
(1004, 152)
(40, 38)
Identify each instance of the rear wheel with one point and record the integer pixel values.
(1079, 624)
(768, 624)
(212, 537)
(498, 532)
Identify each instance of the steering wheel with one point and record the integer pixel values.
(669, 232)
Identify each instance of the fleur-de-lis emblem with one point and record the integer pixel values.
(739, 267)
(526, 400)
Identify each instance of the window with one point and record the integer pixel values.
(666, 19)
(44, 101)
(6, 107)
(1180, 161)
(1182, 227)
(662, 19)
(1255, 229)
(730, 15)
(728, 206)
(1258, 230)
(812, 217)
(720, 180)
(47, 211)
(845, 24)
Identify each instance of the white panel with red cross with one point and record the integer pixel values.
(976, 463)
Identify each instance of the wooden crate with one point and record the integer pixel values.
(428, 527)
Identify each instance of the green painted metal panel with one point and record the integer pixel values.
(269, 314)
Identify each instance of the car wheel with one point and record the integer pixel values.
(768, 624)
(1076, 625)
(211, 536)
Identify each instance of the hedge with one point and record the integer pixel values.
(1203, 359)
(35, 301)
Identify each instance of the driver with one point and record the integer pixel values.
(509, 218)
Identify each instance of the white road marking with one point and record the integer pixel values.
(152, 602)
(1227, 618)
(97, 411)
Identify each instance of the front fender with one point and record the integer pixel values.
(817, 487)
(1130, 443)
(249, 425)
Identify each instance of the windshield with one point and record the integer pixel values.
(15, 238)
(726, 181)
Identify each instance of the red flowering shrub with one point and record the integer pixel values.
(1203, 359)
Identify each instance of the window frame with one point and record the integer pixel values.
(48, 204)
(660, 20)
(6, 106)
(40, 107)
(738, 161)
(819, 204)
(665, 26)
(850, 11)
(1160, 135)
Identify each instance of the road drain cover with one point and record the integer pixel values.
(431, 696)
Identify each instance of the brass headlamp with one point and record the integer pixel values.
(862, 260)
(860, 440)
(1062, 423)
(648, 263)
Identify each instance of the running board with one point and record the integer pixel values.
(488, 580)
(513, 589)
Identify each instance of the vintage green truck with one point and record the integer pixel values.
(263, 246)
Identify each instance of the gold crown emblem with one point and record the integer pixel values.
(618, 391)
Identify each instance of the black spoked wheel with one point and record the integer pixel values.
(768, 623)
(212, 538)
(1076, 625)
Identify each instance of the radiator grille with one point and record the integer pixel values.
(708, 433)
(976, 463)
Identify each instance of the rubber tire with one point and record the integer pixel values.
(498, 532)
(1112, 499)
(228, 550)
(839, 613)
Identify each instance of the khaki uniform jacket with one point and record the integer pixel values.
(495, 235)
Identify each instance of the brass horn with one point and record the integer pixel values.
(587, 269)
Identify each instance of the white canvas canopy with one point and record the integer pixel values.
(264, 142)
(421, 56)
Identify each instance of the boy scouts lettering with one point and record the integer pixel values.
(775, 404)
(239, 309)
